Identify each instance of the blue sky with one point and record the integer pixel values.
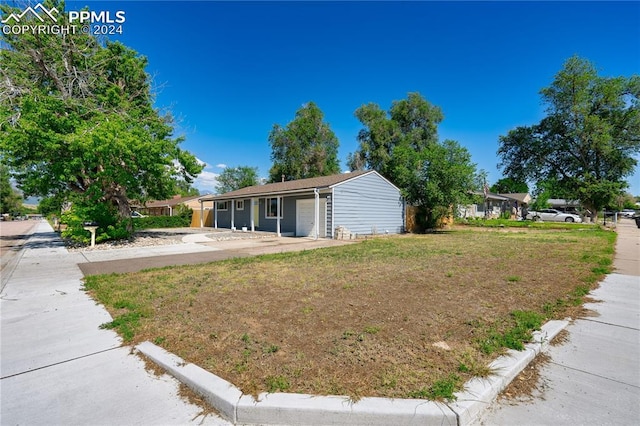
(229, 71)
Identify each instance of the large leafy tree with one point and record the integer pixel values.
(403, 146)
(507, 185)
(10, 199)
(305, 148)
(77, 121)
(234, 178)
(587, 142)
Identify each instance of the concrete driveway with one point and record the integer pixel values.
(193, 247)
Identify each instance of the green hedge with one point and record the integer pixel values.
(162, 222)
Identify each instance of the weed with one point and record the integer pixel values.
(515, 336)
(271, 349)
(125, 304)
(442, 389)
(159, 340)
(125, 324)
(371, 329)
(477, 368)
(513, 278)
(277, 383)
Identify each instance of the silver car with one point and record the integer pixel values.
(553, 215)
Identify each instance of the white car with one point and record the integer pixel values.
(627, 213)
(553, 215)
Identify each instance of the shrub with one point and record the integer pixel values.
(110, 227)
(162, 222)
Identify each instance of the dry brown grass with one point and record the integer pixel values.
(368, 319)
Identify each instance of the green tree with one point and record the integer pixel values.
(10, 199)
(234, 178)
(403, 146)
(77, 122)
(393, 143)
(507, 185)
(445, 180)
(587, 142)
(305, 148)
(185, 189)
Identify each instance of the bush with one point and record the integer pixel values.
(162, 222)
(110, 227)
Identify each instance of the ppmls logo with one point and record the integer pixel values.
(38, 12)
(40, 20)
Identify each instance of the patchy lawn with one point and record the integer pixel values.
(407, 316)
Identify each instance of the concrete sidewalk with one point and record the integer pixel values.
(594, 377)
(57, 367)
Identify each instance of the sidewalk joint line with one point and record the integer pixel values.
(613, 325)
(59, 362)
(595, 375)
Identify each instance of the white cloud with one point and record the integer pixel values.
(206, 182)
(221, 166)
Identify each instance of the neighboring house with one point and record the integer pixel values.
(569, 206)
(358, 203)
(168, 207)
(495, 205)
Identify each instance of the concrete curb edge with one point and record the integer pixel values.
(286, 408)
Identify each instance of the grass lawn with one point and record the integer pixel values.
(405, 316)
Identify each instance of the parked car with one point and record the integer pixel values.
(137, 215)
(553, 215)
(628, 213)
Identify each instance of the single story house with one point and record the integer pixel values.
(495, 205)
(357, 203)
(167, 207)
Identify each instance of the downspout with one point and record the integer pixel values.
(201, 214)
(316, 208)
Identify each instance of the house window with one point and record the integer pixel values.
(239, 204)
(222, 205)
(272, 207)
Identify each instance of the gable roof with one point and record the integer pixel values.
(291, 186)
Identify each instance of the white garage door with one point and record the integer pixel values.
(305, 217)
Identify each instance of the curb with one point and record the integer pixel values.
(290, 409)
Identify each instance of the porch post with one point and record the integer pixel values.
(316, 211)
(215, 214)
(201, 214)
(251, 213)
(233, 214)
(278, 217)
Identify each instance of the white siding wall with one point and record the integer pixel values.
(368, 205)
